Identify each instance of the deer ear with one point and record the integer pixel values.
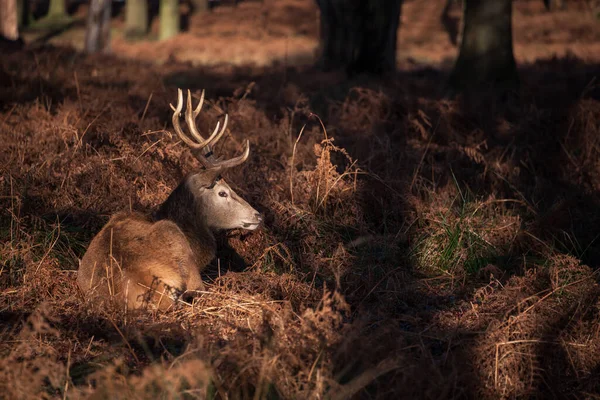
(210, 177)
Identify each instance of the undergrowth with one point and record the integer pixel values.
(413, 247)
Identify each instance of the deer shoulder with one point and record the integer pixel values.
(137, 260)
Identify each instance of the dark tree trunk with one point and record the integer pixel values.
(136, 18)
(9, 20)
(452, 25)
(97, 36)
(486, 52)
(23, 12)
(169, 18)
(359, 35)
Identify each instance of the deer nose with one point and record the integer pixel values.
(258, 217)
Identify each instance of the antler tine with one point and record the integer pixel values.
(234, 162)
(225, 164)
(199, 106)
(175, 121)
(214, 139)
(190, 119)
(202, 147)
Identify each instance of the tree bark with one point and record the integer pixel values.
(97, 37)
(486, 52)
(359, 35)
(9, 20)
(453, 26)
(136, 18)
(57, 9)
(169, 18)
(23, 13)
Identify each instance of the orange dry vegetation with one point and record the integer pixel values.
(414, 247)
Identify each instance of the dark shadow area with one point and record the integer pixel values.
(153, 8)
(136, 343)
(184, 21)
(559, 372)
(118, 8)
(84, 221)
(16, 89)
(8, 46)
(37, 9)
(11, 321)
(228, 259)
(73, 7)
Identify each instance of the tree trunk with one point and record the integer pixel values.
(97, 37)
(169, 18)
(136, 18)
(200, 6)
(486, 52)
(9, 20)
(57, 9)
(452, 25)
(359, 35)
(23, 13)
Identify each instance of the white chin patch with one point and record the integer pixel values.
(250, 227)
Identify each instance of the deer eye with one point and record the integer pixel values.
(223, 194)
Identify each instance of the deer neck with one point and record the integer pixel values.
(186, 210)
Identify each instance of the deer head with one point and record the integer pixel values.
(216, 204)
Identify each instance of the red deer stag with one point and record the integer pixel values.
(141, 261)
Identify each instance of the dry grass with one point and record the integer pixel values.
(414, 247)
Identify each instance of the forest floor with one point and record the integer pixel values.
(413, 247)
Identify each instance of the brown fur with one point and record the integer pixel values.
(136, 260)
(126, 260)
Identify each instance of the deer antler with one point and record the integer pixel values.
(202, 148)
